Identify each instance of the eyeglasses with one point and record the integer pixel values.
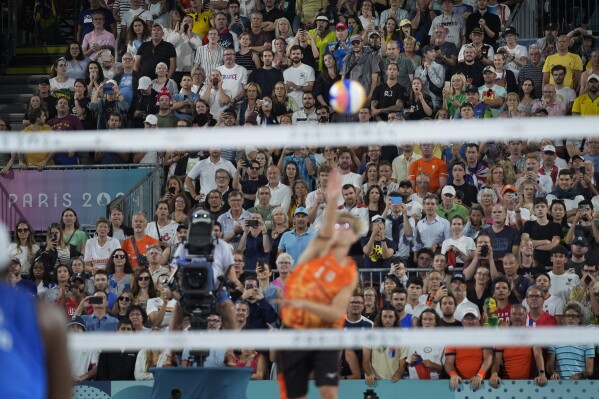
(343, 226)
(356, 303)
(124, 299)
(153, 253)
(25, 230)
(213, 320)
(572, 316)
(283, 263)
(125, 329)
(118, 256)
(535, 296)
(222, 177)
(143, 278)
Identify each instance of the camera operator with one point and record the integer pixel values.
(221, 262)
(483, 256)
(262, 314)
(583, 224)
(583, 180)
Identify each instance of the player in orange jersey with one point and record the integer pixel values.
(316, 296)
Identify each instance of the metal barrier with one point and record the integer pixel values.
(570, 14)
(10, 215)
(142, 197)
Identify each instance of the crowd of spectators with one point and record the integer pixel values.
(506, 232)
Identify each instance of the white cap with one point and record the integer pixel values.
(414, 208)
(144, 83)
(549, 148)
(464, 310)
(151, 119)
(4, 243)
(448, 190)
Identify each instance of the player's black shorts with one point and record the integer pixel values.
(294, 367)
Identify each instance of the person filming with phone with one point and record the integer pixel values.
(261, 313)
(99, 320)
(254, 241)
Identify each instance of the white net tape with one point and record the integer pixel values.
(327, 339)
(302, 135)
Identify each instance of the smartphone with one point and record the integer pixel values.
(447, 86)
(54, 237)
(588, 280)
(582, 170)
(583, 208)
(252, 223)
(396, 200)
(172, 190)
(443, 284)
(513, 196)
(250, 287)
(529, 169)
(96, 300)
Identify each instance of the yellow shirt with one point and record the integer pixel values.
(570, 61)
(321, 44)
(34, 158)
(201, 22)
(584, 106)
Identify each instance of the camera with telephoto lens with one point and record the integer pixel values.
(484, 250)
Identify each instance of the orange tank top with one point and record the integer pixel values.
(318, 280)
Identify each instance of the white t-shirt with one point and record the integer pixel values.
(98, 254)
(554, 305)
(300, 76)
(432, 353)
(352, 178)
(154, 305)
(216, 106)
(129, 16)
(463, 243)
(234, 78)
(562, 284)
(82, 360)
(168, 233)
(206, 171)
(65, 85)
(22, 253)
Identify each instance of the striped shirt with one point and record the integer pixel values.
(209, 60)
(571, 359)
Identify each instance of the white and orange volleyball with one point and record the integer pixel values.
(347, 96)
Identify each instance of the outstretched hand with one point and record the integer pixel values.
(334, 186)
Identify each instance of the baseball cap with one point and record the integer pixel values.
(108, 88)
(575, 157)
(300, 209)
(509, 187)
(322, 17)
(77, 320)
(448, 190)
(77, 277)
(405, 183)
(458, 276)
(340, 25)
(551, 26)
(478, 31)
(374, 33)
(158, 24)
(414, 208)
(355, 38)
(580, 240)
(473, 310)
(144, 83)
(44, 81)
(593, 76)
(510, 30)
(549, 148)
(151, 119)
(471, 89)
(376, 218)
(405, 22)
(489, 68)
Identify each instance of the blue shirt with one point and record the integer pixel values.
(571, 359)
(294, 245)
(106, 324)
(21, 347)
(126, 86)
(180, 97)
(302, 168)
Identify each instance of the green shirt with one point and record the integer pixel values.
(456, 209)
(322, 44)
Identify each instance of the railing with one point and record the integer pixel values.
(142, 197)
(10, 215)
(570, 14)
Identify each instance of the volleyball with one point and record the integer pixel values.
(347, 96)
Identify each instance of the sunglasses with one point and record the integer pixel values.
(143, 278)
(118, 256)
(355, 42)
(25, 230)
(125, 299)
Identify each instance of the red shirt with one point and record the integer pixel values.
(545, 320)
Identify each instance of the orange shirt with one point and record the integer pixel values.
(318, 280)
(517, 362)
(467, 360)
(142, 247)
(434, 168)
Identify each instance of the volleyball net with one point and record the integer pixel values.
(338, 135)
